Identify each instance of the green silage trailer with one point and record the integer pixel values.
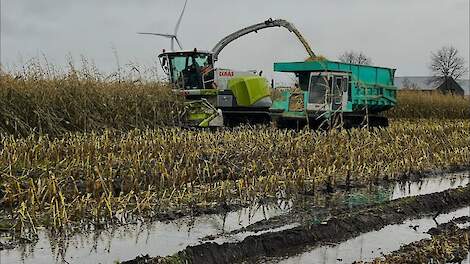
(332, 93)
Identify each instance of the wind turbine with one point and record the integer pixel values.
(173, 37)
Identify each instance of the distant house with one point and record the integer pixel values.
(465, 84)
(446, 86)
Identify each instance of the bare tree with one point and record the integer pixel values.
(355, 58)
(447, 62)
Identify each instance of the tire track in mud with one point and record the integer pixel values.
(336, 229)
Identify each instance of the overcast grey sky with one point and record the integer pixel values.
(394, 33)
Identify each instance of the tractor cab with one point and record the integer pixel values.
(189, 70)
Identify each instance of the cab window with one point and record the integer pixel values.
(178, 64)
(318, 87)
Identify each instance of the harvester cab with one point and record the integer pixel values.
(215, 97)
(188, 70)
(189, 73)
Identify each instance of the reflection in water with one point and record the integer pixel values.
(431, 185)
(380, 194)
(120, 243)
(371, 245)
(127, 242)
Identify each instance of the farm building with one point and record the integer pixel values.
(426, 84)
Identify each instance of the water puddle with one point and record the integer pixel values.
(371, 245)
(318, 208)
(434, 184)
(430, 185)
(158, 238)
(127, 242)
(385, 193)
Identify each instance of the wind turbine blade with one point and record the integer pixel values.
(172, 44)
(180, 18)
(157, 34)
(178, 42)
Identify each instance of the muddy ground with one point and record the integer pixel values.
(340, 226)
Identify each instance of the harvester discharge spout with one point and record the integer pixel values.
(254, 28)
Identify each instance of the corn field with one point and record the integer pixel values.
(82, 148)
(100, 177)
(40, 102)
(417, 104)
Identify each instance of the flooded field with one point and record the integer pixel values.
(165, 238)
(126, 242)
(369, 246)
